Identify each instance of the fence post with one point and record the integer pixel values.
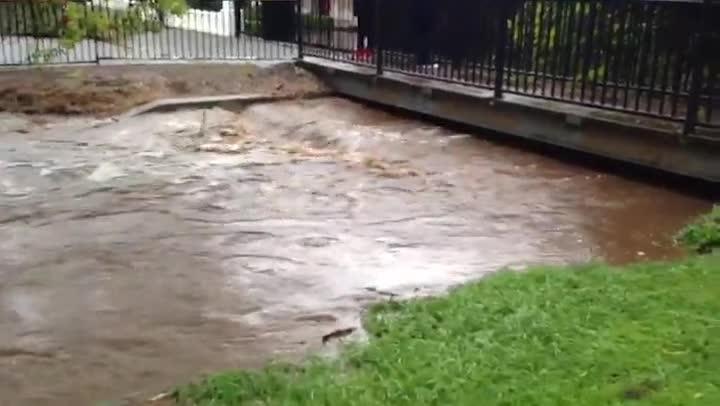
(502, 33)
(238, 16)
(94, 40)
(299, 28)
(697, 59)
(378, 39)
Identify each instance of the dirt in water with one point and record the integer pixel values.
(106, 90)
(141, 254)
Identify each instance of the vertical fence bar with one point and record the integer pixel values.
(611, 13)
(212, 47)
(215, 24)
(18, 31)
(5, 58)
(264, 39)
(146, 35)
(577, 47)
(671, 48)
(596, 50)
(567, 74)
(655, 52)
(57, 19)
(546, 42)
(529, 44)
(27, 31)
(697, 59)
(645, 53)
(242, 29)
(183, 34)
(539, 16)
(490, 29)
(257, 28)
(559, 27)
(513, 49)
(502, 33)
(196, 54)
(238, 35)
(588, 54)
(299, 28)
(82, 52)
(171, 24)
(676, 86)
(713, 76)
(378, 38)
(166, 51)
(521, 36)
(93, 11)
(122, 48)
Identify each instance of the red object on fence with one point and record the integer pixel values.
(363, 54)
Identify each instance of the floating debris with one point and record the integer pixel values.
(161, 396)
(338, 334)
(221, 148)
(381, 292)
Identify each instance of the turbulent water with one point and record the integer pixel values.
(139, 254)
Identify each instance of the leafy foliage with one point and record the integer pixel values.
(73, 21)
(703, 235)
(315, 22)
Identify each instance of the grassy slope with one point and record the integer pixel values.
(648, 334)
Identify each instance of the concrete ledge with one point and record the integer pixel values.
(624, 137)
(225, 101)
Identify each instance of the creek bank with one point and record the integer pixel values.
(108, 90)
(588, 334)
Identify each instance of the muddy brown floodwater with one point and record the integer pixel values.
(141, 254)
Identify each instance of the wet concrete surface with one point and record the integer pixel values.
(140, 254)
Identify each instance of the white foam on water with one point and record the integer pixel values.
(105, 172)
(9, 188)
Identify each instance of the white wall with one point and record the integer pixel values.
(223, 22)
(341, 10)
(219, 23)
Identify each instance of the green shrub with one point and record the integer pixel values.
(36, 19)
(253, 27)
(702, 235)
(314, 22)
(72, 22)
(253, 22)
(253, 19)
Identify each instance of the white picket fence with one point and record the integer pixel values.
(211, 22)
(198, 34)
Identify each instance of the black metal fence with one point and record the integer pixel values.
(655, 58)
(658, 58)
(60, 31)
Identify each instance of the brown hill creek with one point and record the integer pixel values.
(143, 253)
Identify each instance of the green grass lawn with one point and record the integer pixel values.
(647, 334)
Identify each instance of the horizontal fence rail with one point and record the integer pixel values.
(653, 58)
(60, 31)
